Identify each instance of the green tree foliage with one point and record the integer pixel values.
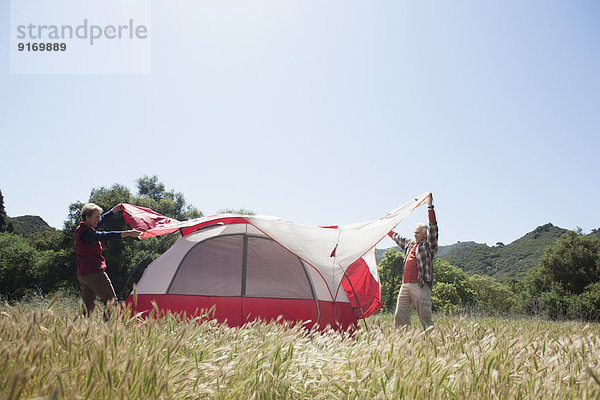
(390, 278)
(152, 194)
(587, 305)
(241, 211)
(451, 289)
(25, 267)
(565, 282)
(491, 296)
(2, 214)
(445, 298)
(17, 263)
(5, 223)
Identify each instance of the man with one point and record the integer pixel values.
(91, 266)
(417, 277)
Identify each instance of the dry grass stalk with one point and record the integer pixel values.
(45, 354)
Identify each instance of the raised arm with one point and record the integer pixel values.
(432, 230)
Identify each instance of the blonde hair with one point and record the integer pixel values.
(89, 209)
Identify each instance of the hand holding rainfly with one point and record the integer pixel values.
(134, 233)
(130, 233)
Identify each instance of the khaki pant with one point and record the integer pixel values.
(96, 285)
(411, 294)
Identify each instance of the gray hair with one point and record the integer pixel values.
(422, 226)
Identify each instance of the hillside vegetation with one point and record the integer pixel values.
(502, 261)
(509, 261)
(442, 250)
(29, 224)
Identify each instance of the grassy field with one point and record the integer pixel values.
(44, 353)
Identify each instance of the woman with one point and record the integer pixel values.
(91, 265)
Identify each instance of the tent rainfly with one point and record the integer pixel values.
(257, 267)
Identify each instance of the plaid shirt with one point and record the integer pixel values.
(426, 250)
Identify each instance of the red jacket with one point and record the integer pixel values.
(89, 256)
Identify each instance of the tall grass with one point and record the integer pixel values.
(44, 353)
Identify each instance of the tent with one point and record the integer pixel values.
(256, 267)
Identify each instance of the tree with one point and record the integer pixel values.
(572, 262)
(445, 298)
(492, 296)
(587, 305)
(390, 278)
(241, 211)
(152, 188)
(5, 224)
(563, 283)
(17, 261)
(2, 214)
(33, 264)
(152, 194)
(451, 288)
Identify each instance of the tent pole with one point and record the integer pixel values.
(357, 301)
(314, 293)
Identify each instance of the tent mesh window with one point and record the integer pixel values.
(211, 268)
(237, 265)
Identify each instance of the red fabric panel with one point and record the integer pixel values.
(345, 317)
(339, 316)
(154, 224)
(226, 308)
(289, 309)
(365, 286)
(143, 219)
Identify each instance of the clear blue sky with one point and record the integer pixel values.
(329, 113)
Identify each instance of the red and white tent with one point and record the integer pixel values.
(257, 267)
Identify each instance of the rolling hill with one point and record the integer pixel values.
(502, 262)
(442, 250)
(29, 224)
(510, 261)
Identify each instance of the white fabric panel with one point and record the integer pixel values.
(158, 274)
(251, 230)
(319, 284)
(315, 245)
(371, 260)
